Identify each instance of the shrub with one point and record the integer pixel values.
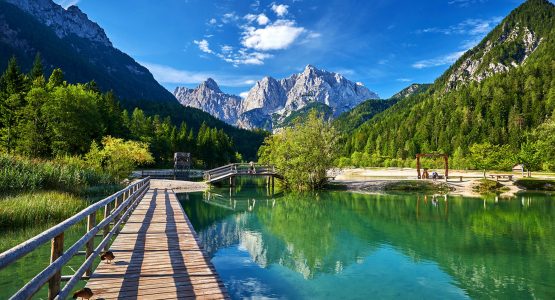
(118, 157)
(536, 184)
(485, 186)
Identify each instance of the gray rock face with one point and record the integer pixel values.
(63, 22)
(475, 67)
(209, 98)
(278, 99)
(270, 100)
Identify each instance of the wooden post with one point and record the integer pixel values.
(272, 185)
(418, 166)
(91, 222)
(446, 159)
(57, 250)
(106, 229)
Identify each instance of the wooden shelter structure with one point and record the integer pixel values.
(432, 155)
(182, 165)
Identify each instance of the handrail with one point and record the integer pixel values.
(227, 169)
(124, 200)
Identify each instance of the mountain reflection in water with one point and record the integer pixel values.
(393, 245)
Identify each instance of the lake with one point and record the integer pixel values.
(343, 245)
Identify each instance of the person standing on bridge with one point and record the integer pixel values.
(252, 170)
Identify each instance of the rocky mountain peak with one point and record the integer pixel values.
(64, 22)
(211, 84)
(508, 46)
(271, 101)
(207, 96)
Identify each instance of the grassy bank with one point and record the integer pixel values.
(486, 186)
(38, 208)
(417, 185)
(536, 184)
(19, 174)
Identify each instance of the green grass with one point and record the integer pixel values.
(38, 208)
(416, 185)
(19, 174)
(536, 184)
(486, 186)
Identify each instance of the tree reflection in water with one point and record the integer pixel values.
(490, 247)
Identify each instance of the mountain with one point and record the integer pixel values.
(413, 89)
(497, 92)
(208, 97)
(350, 120)
(270, 101)
(67, 39)
(277, 99)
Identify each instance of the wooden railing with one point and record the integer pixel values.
(117, 209)
(238, 169)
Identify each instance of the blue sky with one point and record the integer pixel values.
(384, 44)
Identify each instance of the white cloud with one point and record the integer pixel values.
(227, 48)
(167, 74)
(244, 94)
(67, 3)
(212, 21)
(243, 57)
(404, 79)
(279, 35)
(280, 9)
(203, 46)
(250, 17)
(464, 3)
(230, 17)
(468, 27)
(262, 19)
(438, 61)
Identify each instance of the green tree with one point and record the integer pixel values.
(484, 156)
(118, 157)
(302, 153)
(12, 91)
(37, 69)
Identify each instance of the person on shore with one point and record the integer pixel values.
(251, 170)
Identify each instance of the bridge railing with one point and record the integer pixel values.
(239, 169)
(116, 209)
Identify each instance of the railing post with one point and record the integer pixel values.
(57, 250)
(91, 222)
(106, 229)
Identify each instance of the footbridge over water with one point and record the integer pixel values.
(232, 171)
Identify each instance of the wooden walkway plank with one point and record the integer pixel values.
(158, 256)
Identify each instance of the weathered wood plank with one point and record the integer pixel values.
(157, 257)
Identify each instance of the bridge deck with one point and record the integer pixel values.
(157, 257)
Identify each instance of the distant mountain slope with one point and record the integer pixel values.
(350, 120)
(281, 98)
(496, 92)
(300, 115)
(208, 97)
(67, 39)
(270, 101)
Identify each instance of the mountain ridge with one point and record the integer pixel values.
(501, 108)
(67, 39)
(270, 101)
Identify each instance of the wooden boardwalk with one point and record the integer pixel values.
(157, 257)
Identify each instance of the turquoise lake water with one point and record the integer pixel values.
(342, 245)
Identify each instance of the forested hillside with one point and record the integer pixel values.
(502, 101)
(44, 118)
(349, 121)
